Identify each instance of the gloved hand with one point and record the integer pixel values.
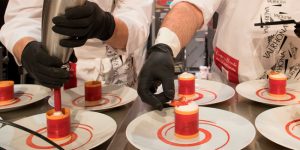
(158, 68)
(297, 29)
(42, 67)
(82, 23)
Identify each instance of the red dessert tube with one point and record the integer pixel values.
(58, 127)
(92, 90)
(186, 87)
(277, 85)
(6, 90)
(186, 124)
(186, 84)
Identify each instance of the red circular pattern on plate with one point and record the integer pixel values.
(17, 98)
(290, 131)
(207, 134)
(211, 92)
(73, 137)
(107, 100)
(260, 92)
(199, 96)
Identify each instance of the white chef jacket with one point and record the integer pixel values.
(95, 58)
(243, 51)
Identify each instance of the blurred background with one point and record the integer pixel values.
(198, 52)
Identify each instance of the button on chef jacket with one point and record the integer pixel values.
(95, 59)
(243, 51)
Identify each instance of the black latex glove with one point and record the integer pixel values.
(297, 29)
(82, 23)
(158, 68)
(42, 67)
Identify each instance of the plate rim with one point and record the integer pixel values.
(46, 93)
(259, 118)
(114, 125)
(231, 91)
(50, 100)
(239, 91)
(221, 84)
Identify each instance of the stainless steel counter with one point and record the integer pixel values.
(124, 114)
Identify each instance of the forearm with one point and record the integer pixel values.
(20, 45)
(183, 19)
(120, 36)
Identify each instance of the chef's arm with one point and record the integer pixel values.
(118, 39)
(177, 30)
(20, 45)
(120, 36)
(182, 21)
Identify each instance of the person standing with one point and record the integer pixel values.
(242, 51)
(109, 37)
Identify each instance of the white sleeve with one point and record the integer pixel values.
(136, 14)
(22, 19)
(208, 7)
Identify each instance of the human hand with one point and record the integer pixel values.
(158, 68)
(42, 67)
(82, 23)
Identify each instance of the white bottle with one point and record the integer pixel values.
(203, 72)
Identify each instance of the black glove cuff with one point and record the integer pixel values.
(160, 48)
(158, 106)
(27, 48)
(108, 28)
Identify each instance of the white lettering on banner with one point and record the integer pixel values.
(230, 64)
(276, 42)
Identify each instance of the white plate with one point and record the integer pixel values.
(89, 129)
(112, 96)
(26, 94)
(281, 125)
(218, 129)
(257, 90)
(208, 92)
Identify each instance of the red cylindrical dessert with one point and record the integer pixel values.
(92, 90)
(187, 121)
(6, 92)
(186, 84)
(58, 125)
(277, 84)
